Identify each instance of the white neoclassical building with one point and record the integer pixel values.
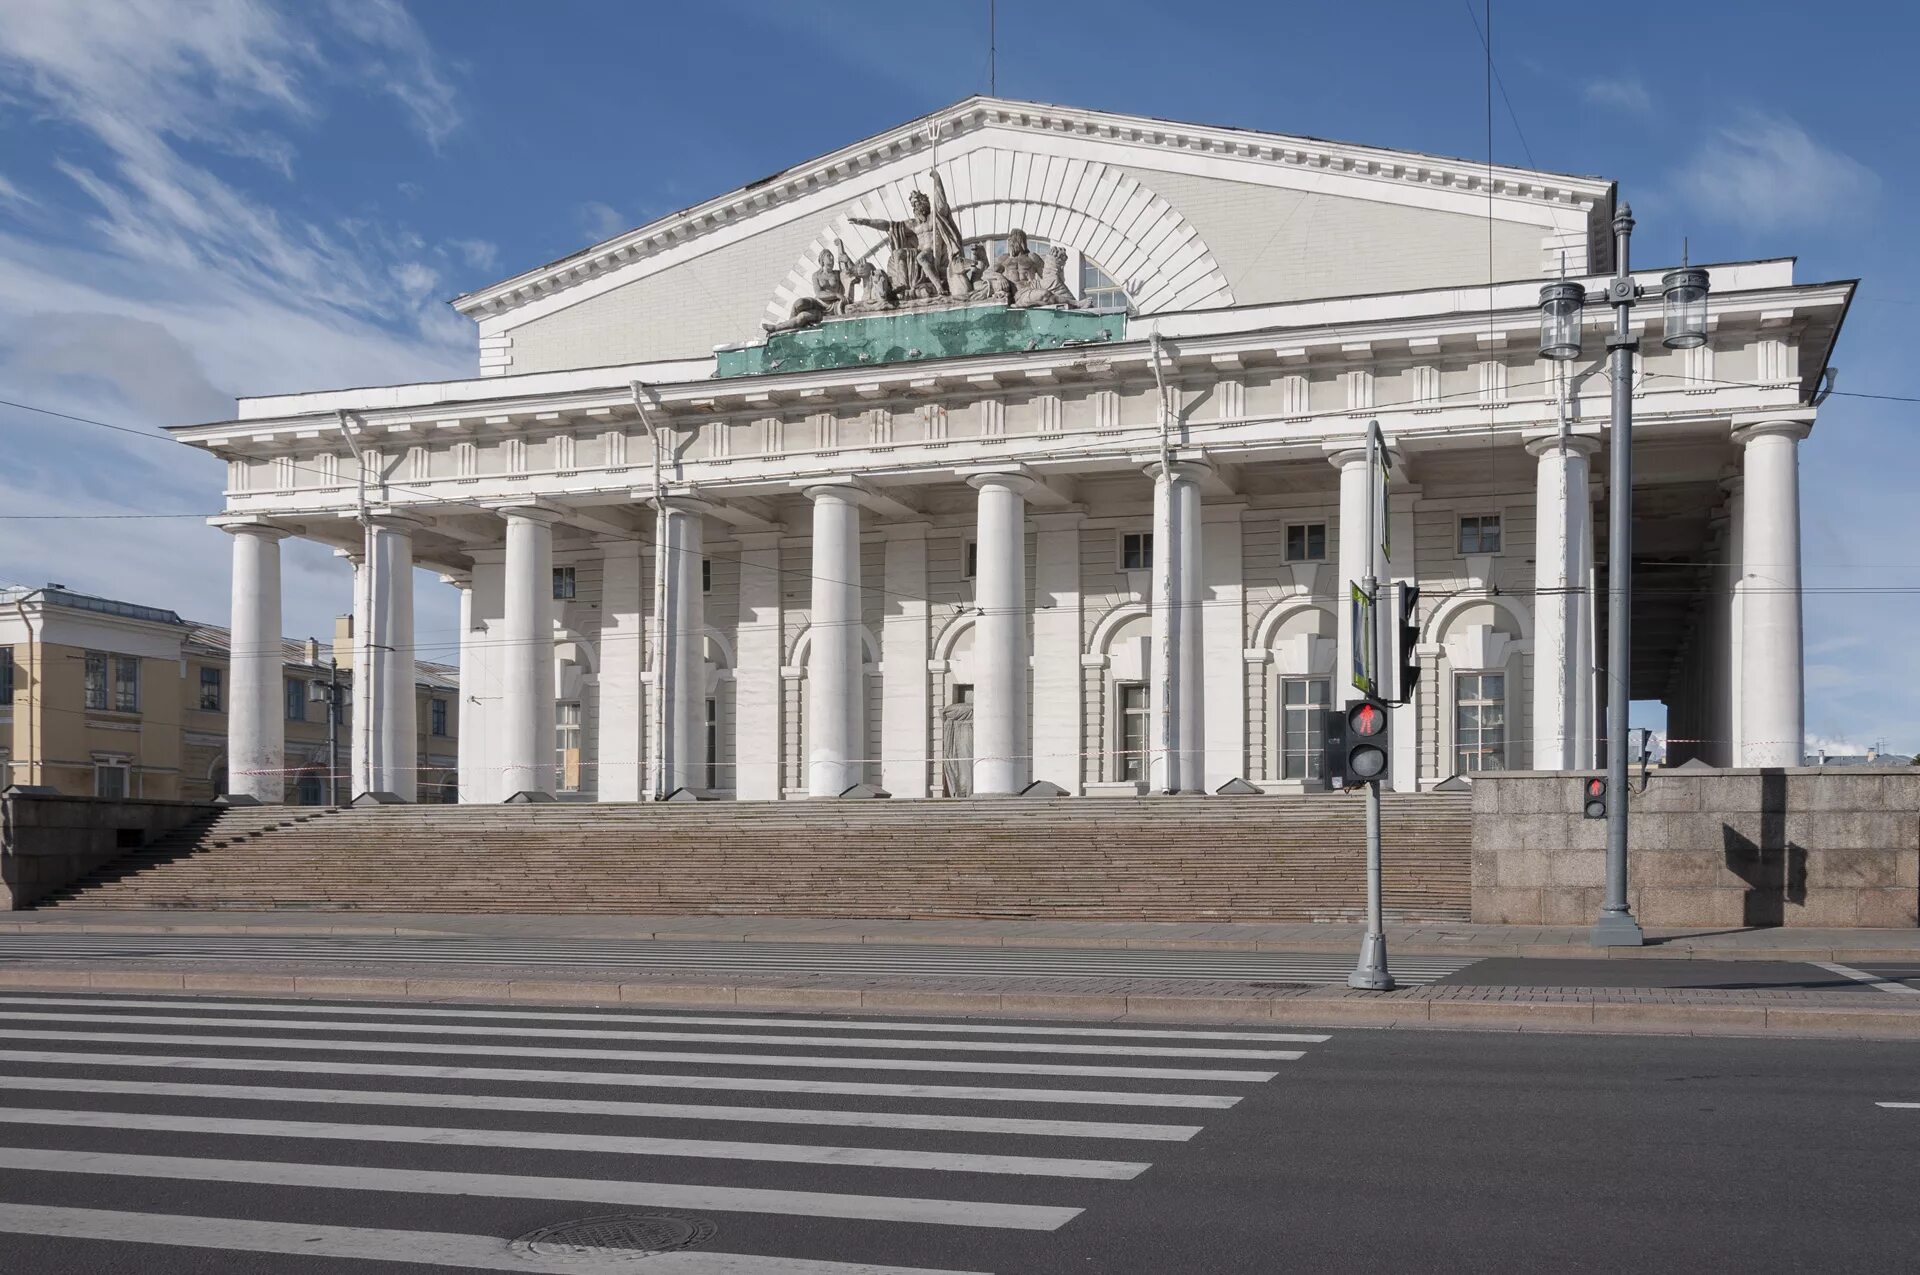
(942, 532)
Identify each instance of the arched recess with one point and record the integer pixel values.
(1120, 660)
(1483, 723)
(794, 694)
(1105, 214)
(1298, 639)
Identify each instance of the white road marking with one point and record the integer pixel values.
(415, 1098)
(575, 1191)
(1905, 1106)
(606, 1144)
(371, 1244)
(704, 1038)
(1861, 976)
(995, 1029)
(622, 1080)
(649, 1055)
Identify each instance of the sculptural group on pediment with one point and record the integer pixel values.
(928, 264)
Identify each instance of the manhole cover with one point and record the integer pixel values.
(621, 1236)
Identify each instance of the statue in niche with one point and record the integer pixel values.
(921, 248)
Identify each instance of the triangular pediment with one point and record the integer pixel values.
(1181, 216)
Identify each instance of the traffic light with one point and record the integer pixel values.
(1595, 804)
(1400, 659)
(1357, 748)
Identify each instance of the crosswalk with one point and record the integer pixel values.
(697, 957)
(444, 1135)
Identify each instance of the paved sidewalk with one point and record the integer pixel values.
(1424, 938)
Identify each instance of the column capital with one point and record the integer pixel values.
(1794, 427)
(458, 579)
(528, 511)
(395, 520)
(250, 524)
(1011, 479)
(1187, 471)
(1342, 452)
(1552, 444)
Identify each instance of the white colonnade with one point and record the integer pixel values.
(1002, 755)
(836, 683)
(1562, 568)
(257, 727)
(1772, 713)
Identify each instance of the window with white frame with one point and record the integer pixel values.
(1306, 542)
(110, 776)
(1130, 742)
(97, 680)
(563, 583)
(1136, 550)
(1480, 533)
(1098, 289)
(210, 699)
(566, 745)
(1303, 709)
(1479, 722)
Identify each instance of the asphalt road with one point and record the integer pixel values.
(929, 1145)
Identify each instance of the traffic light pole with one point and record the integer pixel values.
(1370, 973)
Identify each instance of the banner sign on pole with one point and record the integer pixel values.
(1364, 679)
(1383, 463)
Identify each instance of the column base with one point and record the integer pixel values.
(1617, 929)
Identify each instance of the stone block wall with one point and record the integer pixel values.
(1723, 848)
(48, 841)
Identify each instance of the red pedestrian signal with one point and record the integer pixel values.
(1367, 718)
(1595, 804)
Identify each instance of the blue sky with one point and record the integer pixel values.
(199, 200)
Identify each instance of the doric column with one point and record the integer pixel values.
(1732, 653)
(384, 664)
(1562, 555)
(836, 691)
(1177, 694)
(756, 681)
(526, 756)
(1772, 711)
(1222, 595)
(1355, 553)
(256, 714)
(1002, 757)
(463, 581)
(680, 648)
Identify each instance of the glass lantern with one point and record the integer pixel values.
(1686, 308)
(1560, 305)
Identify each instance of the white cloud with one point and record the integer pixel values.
(1765, 172)
(477, 253)
(1626, 94)
(602, 221)
(177, 288)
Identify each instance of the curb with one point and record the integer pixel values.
(1409, 1010)
(1673, 950)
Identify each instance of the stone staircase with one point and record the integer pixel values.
(1172, 858)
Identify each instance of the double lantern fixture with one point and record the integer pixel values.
(1684, 306)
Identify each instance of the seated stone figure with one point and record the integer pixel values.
(807, 312)
(876, 290)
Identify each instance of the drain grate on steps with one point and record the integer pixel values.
(625, 1237)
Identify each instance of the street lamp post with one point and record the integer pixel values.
(1685, 326)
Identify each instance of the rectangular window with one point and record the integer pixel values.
(970, 560)
(1136, 551)
(96, 680)
(1307, 542)
(126, 683)
(566, 745)
(713, 744)
(963, 692)
(110, 778)
(1303, 707)
(437, 716)
(1479, 722)
(1132, 762)
(706, 575)
(209, 690)
(563, 583)
(1480, 534)
(6, 674)
(296, 699)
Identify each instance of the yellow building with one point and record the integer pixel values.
(107, 698)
